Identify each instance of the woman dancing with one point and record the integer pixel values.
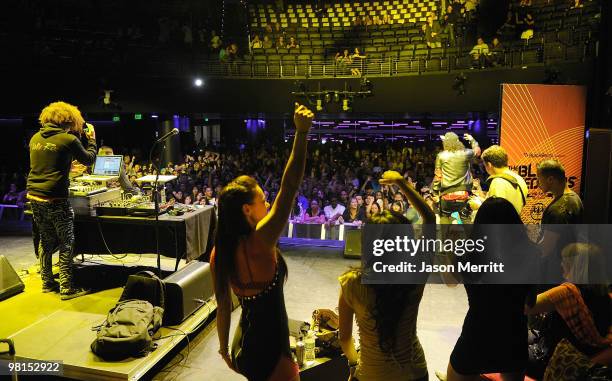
(246, 258)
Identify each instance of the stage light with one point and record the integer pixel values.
(365, 84)
(323, 140)
(137, 116)
(154, 116)
(116, 118)
(327, 97)
(346, 105)
(198, 82)
(107, 97)
(336, 97)
(319, 105)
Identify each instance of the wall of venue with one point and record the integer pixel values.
(414, 93)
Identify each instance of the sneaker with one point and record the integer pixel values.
(50, 287)
(73, 293)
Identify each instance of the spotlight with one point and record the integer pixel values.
(198, 82)
(365, 84)
(336, 97)
(327, 97)
(323, 140)
(319, 105)
(346, 104)
(107, 97)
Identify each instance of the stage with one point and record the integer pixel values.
(45, 328)
(312, 283)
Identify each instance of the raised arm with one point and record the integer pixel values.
(270, 227)
(85, 156)
(473, 143)
(394, 178)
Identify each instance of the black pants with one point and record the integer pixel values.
(55, 223)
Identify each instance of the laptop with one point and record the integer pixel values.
(106, 168)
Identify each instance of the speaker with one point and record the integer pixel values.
(352, 243)
(10, 283)
(186, 291)
(598, 177)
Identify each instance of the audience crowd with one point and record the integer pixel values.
(340, 186)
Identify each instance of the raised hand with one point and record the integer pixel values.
(392, 178)
(90, 132)
(302, 118)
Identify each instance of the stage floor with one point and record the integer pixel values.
(312, 283)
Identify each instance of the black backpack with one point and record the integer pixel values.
(130, 326)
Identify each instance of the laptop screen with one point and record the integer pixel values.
(107, 165)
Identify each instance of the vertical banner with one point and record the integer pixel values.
(541, 122)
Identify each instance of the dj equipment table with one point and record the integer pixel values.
(186, 236)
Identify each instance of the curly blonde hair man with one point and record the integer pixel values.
(64, 115)
(52, 150)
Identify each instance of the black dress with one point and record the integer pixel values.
(262, 336)
(494, 334)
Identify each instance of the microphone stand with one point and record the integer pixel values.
(155, 194)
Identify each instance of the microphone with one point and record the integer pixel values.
(168, 134)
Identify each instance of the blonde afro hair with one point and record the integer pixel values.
(64, 115)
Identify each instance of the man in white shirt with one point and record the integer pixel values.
(333, 211)
(503, 182)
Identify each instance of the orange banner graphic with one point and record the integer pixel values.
(540, 122)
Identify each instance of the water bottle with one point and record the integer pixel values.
(309, 347)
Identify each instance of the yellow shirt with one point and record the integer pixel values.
(504, 189)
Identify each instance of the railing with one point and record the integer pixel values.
(262, 67)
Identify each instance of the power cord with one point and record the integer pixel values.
(105, 244)
(170, 367)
